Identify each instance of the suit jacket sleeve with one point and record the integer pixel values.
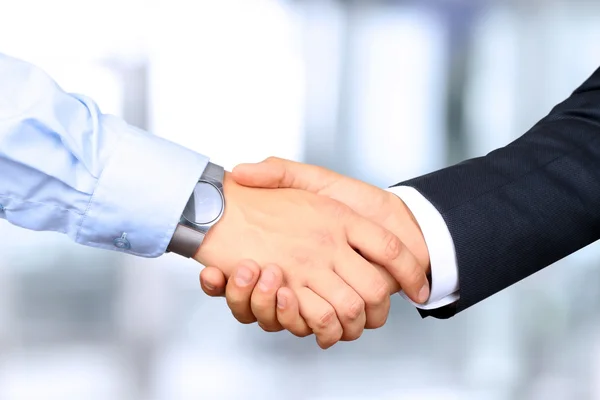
(524, 206)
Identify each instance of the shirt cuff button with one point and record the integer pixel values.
(122, 242)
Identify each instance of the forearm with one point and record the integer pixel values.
(67, 167)
(527, 205)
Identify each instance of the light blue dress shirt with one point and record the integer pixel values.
(66, 167)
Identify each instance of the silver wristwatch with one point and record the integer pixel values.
(203, 210)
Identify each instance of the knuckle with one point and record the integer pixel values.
(300, 257)
(326, 319)
(338, 210)
(379, 294)
(271, 159)
(393, 246)
(355, 308)
(325, 238)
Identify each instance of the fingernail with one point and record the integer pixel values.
(424, 293)
(281, 301)
(243, 277)
(209, 286)
(267, 279)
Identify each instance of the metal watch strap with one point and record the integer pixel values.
(213, 172)
(186, 241)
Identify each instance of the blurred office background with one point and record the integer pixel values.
(379, 90)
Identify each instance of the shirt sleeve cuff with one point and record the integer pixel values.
(140, 194)
(442, 255)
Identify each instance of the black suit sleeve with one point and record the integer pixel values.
(526, 205)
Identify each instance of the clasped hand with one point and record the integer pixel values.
(327, 251)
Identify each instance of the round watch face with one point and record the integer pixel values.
(205, 204)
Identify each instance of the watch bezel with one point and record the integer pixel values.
(206, 226)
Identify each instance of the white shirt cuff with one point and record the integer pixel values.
(141, 193)
(442, 255)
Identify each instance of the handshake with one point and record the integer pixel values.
(305, 249)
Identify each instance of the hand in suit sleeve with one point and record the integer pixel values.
(442, 256)
(524, 206)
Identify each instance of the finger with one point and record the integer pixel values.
(212, 282)
(288, 313)
(368, 283)
(393, 285)
(348, 305)
(239, 291)
(279, 173)
(384, 248)
(320, 317)
(264, 298)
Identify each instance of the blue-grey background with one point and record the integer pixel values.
(379, 90)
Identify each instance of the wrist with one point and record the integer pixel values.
(207, 251)
(216, 249)
(404, 225)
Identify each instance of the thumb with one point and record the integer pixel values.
(266, 174)
(279, 173)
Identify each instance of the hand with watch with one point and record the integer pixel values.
(321, 245)
(203, 210)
